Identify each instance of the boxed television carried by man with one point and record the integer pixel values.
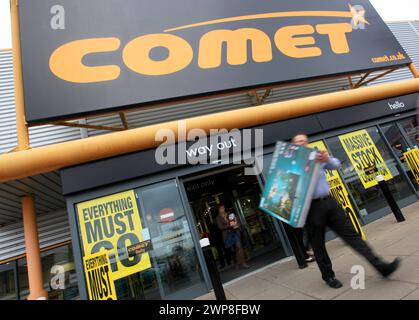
(291, 182)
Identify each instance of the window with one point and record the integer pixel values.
(59, 274)
(400, 146)
(8, 281)
(174, 271)
(410, 125)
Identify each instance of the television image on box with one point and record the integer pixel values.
(290, 185)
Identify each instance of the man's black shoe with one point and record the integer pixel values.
(334, 283)
(386, 269)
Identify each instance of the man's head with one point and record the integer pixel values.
(300, 139)
(222, 210)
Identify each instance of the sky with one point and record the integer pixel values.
(389, 10)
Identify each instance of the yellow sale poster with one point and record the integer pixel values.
(363, 154)
(412, 159)
(113, 223)
(99, 280)
(339, 192)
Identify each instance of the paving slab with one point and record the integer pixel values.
(299, 296)
(409, 270)
(379, 244)
(412, 296)
(403, 247)
(345, 264)
(275, 293)
(379, 289)
(249, 287)
(310, 283)
(281, 273)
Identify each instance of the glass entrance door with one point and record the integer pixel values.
(240, 194)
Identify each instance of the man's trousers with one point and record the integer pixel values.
(326, 212)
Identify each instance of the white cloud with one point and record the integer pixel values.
(396, 10)
(5, 33)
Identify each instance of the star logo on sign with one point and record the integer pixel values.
(358, 15)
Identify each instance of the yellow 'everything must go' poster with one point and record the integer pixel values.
(339, 192)
(363, 154)
(113, 223)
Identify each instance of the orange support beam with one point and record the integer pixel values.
(413, 70)
(30, 162)
(33, 255)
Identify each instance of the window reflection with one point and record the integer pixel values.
(410, 125)
(7, 281)
(58, 272)
(399, 146)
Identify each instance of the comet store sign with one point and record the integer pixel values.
(100, 285)
(112, 223)
(363, 154)
(97, 53)
(339, 192)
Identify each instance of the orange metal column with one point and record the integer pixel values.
(413, 70)
(33, 255)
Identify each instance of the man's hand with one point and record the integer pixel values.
(322, 156)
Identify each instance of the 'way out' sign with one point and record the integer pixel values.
(81, 57)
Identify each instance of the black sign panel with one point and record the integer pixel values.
(368, 111)
(82, 57)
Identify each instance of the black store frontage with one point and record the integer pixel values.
(177, 203)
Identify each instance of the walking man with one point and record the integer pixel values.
(326, 212)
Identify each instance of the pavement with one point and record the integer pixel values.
(283, 280)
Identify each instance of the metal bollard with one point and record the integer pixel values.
(390, 199)
(212, 269)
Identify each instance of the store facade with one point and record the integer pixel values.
(177, 269)
(192, 192)
(176, 243)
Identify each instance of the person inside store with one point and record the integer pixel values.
(216, 241)
(230, 228)
(326, 212)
